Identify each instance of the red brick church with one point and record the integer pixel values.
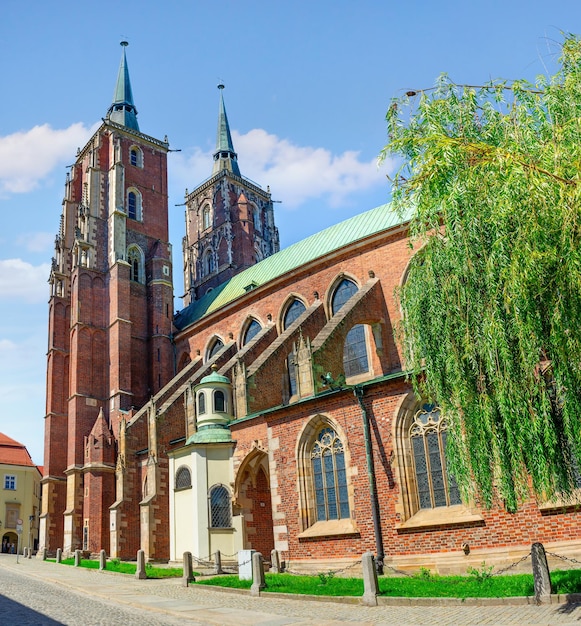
(272, 411)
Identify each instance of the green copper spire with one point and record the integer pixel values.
(224, 158)
(123, 111)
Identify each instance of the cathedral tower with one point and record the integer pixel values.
(110, 314)
(229, 221)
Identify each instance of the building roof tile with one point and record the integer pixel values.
(13, 453)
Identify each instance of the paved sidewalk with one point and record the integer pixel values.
(201, 605)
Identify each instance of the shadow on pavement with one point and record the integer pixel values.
(15, 613)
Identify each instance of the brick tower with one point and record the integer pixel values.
(110, 319)
(229, 221)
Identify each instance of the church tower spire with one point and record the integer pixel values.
(224, 158)
(122, 110)
(229, 221)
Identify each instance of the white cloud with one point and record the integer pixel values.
(36, 242)
(295, 173)
(27, 157)
(19, 279)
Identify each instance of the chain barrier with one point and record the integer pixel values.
(511, 566)
(563, 558)
(329, 572)
(398, 571)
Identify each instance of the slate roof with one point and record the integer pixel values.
(377, 220)
(13, 453)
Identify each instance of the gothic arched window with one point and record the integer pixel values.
(206, 218)
(136, 156)
(135, 260)
(355, 359)
(251, 331)
(220, 509)
(329, 476)
(435, 486)
(134, 205)
(216, 346)
(294, 311)
(183, 478)
(344, 290)
(208, 262)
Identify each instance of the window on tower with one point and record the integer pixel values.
(136, 264)
(208, 263)
(136, 156)
(206, 218)
(134, 205)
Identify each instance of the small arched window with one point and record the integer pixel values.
(329, 476)
(134, 205)
(206, 221)
(251, 331)
(216, 347)
(294, 311)
(219, 401)
(220, 510)
(201, 403)
(183, 478)
(136, 156)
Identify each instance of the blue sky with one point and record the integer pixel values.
(307, 87)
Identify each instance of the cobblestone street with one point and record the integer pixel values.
(35, 592)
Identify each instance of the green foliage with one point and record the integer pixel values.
(482, 573)
(492, 302)
(424, 573)
(325, 578)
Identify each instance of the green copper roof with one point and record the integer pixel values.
(224, 157)
(214, 377)
(123, 111)
(317, 245)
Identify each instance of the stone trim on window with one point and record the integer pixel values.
(311, 521)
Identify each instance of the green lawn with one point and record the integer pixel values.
(114, 565)
(419, 586)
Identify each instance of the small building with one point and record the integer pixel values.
(19, 496)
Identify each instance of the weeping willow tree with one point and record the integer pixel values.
(492, 301)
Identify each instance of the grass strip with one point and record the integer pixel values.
(419, 586)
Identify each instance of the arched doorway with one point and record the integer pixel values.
(9, 542)
(254, 502)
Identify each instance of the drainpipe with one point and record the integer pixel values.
(358, 391)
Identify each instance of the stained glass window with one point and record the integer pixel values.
(343, 292)
(251, 331)
(355, 359)
(216, 347)
(329, 476)
(293, 312)
(436, 487)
